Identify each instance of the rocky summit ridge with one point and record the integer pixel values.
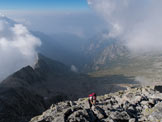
(132, 105)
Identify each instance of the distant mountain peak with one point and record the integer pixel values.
(48, 65)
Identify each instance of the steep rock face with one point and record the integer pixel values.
(108, 56)
(132, 105)
(104, 53)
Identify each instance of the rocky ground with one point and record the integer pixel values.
(131, 105)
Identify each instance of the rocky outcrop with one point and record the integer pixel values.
(132, 105)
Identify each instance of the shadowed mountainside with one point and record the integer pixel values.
(30, 91)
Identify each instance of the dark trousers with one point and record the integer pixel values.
(90, 105)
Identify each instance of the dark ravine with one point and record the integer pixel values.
(132, 105)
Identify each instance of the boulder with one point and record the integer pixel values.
(120, 116)
(158, 88)
(99, 112)
(82, 116)
(156, 113)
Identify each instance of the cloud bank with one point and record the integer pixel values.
(137, 22)
(17, 47)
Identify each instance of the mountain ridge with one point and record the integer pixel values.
(33, 90)
(23, 92)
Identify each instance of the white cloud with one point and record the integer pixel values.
(74, 68)
(17, 47)
(137, 22)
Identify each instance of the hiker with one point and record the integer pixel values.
(92, 99)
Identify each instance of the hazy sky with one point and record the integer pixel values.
(54, 16)
(18, 17)
(81, 23)
(137, 22)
